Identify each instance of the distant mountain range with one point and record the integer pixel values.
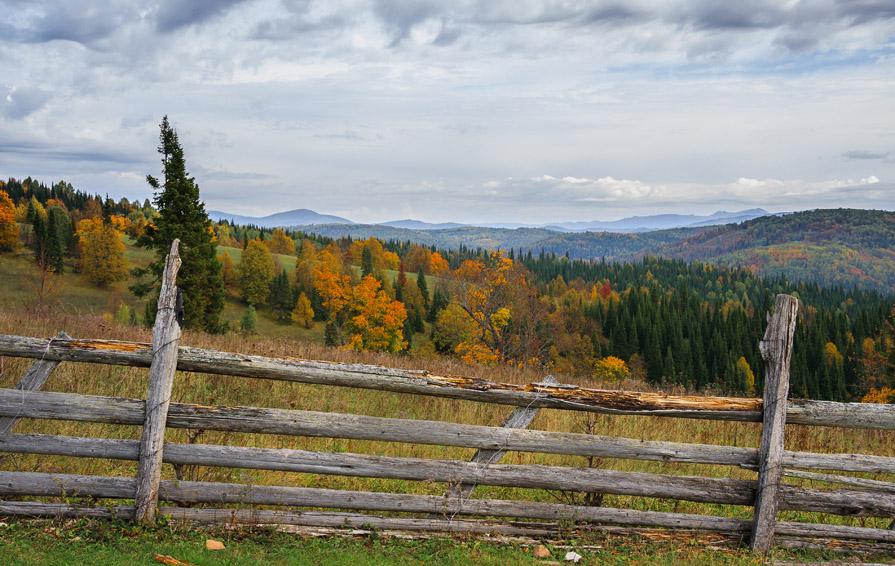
(634, 224)
(420, 225)
(299, 217)
(834, 247)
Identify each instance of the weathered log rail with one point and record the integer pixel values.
(443, 513)
(534, 395)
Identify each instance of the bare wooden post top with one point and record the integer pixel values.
(776, 350)
(165, 342)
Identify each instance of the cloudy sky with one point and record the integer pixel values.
(461, 110)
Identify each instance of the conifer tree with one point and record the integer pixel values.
(281, 298)
(182, 215)
(366, 262)
(424, 287)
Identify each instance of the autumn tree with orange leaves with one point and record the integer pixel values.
(361, 316)
(9, 232)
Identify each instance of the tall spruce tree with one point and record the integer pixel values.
(182, 215)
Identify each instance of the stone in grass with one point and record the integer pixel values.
(540, 551)
(214, 545)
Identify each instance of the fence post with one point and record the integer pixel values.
(776, 350)
(165, 342)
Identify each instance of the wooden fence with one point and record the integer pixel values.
(456, 511)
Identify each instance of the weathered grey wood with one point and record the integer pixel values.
(60, 485)
(776, 350)
(845, 415)
(520, 418)
(201, 492)
(835, 546)
(346, 524)
(59, 509)
(33, 380)
(67, 406)
(165, 341)
(885, 486)
(707, 490)
(854, 415)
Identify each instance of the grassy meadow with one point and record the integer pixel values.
(85, 312)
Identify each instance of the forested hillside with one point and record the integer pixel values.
(445, 238)
(834, 247)
(695, 322)
(670, 322)
(609, 246)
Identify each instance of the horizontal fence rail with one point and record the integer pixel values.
(211, 492)
(87, 408)
(562, 478)
(539, 395)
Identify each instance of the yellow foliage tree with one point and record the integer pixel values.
(832, 355)
(305, 265)
(256, 271)
(746, 376)
(101, 252)
(884, 395)
(9, 231)
(303, 313)
(452, 328)
(510, 319)
(280, 243)
(611, 369)
(228, 270)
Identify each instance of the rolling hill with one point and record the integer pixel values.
(846, 247)
(301, 216)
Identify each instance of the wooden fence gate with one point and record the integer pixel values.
(456, 510)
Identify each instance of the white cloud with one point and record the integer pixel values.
(455, 110)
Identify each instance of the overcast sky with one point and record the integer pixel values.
(469, 111)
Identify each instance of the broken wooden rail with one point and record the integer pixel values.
(534, 395)
(449, 512)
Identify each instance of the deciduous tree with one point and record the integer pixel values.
(375, 322)
(303, 313)
(510, 318)
(255, 273)
(9, 231)
(363, 316)
(280, 243)
(101, 252)
(228, 270)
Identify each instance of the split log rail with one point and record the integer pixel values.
(456, 510)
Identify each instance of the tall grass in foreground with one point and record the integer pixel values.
(189, 387)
